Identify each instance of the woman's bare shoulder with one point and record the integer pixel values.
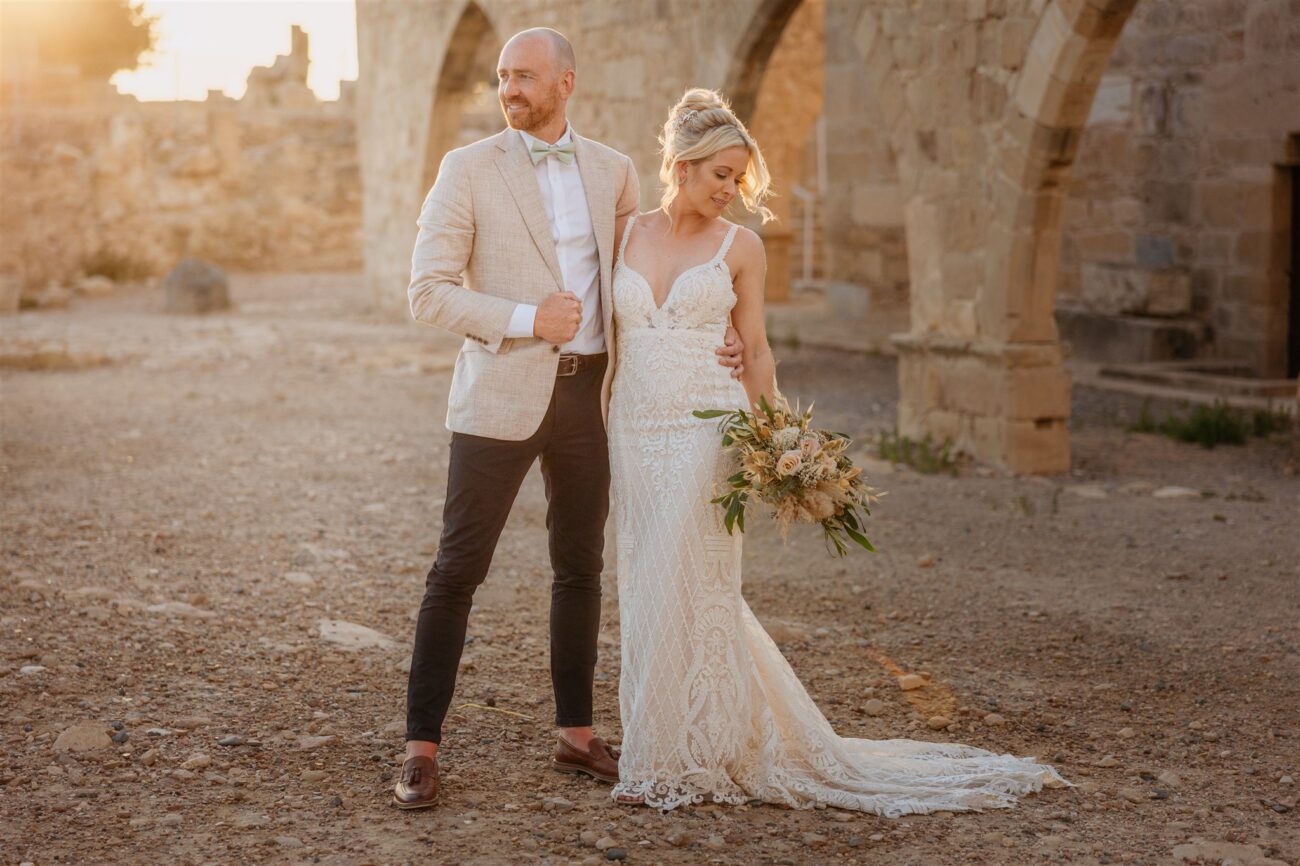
(747, 248)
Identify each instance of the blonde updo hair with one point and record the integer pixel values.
(700, 125)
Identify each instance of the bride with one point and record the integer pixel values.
(711, 710)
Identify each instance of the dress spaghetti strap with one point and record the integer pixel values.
(726, 243)
(627, 233)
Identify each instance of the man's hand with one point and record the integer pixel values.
(558, 318)
(730, 353)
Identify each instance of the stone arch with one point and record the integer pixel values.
(753, 51)
(408, 117)
(467, 67)
(852, 230)
(982, 363)
(777, 87)
(1067, 56)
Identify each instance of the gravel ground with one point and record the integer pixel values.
(189, 506)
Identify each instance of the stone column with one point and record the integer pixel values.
(777, 243)
(982, 364)
(1006, 403)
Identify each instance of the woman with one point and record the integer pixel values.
(711, 710)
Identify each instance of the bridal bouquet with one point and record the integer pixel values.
(802, 473)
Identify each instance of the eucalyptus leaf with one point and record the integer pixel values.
(860, 539)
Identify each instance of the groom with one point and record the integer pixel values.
(515, 253)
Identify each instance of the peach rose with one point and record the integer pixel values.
(789, 463)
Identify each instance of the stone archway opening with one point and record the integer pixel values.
(777, 87)
(465, 103)
(837, 254)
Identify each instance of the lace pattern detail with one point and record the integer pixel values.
(712, 712)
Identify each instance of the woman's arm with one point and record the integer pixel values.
(750, 268)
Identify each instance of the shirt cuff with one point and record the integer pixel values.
(521, 321)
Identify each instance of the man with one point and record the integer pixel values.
(515, 253)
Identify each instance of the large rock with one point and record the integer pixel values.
(195, 286)
(351, 636)
(83, 737)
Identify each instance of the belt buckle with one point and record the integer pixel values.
(568, 365)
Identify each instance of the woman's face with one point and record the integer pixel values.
(711, 183)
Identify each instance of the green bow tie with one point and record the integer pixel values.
(562, 152)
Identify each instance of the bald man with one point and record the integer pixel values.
(515, 253)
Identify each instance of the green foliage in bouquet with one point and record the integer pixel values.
(802, 473)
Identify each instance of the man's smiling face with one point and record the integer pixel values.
(530, 84)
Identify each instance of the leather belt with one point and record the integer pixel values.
(571, 364)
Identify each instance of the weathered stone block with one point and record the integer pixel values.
(195, 286)
(1034, 393)
(1036, 447)
(877, 206)
(1120, 289)
(1154, 251)
(1235, 205)
(1129, 339)
(1113, 102)
(848, 300)
(1152, 108)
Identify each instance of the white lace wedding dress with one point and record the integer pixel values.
(711, 709)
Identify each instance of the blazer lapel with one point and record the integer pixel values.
(599, 188)
(600, 201)
(516, 169)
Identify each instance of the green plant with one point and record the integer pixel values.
(1208, 426)
(1145, 423)
(924, 456)
(1266, 422)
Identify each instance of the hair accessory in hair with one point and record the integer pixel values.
(684, 118)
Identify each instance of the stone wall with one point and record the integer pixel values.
(103, 184)
(1174, 231)
(863, 202)
(953, 126)
(1171, 244)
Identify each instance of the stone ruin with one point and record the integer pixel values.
(99, 186)
(962, 181)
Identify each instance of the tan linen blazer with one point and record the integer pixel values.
(484, 246)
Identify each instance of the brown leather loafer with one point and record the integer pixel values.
(418, 787)
(599, 761)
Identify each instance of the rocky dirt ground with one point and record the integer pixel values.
(198, 513)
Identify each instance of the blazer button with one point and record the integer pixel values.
(555, 348)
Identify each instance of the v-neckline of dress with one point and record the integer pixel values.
(673, 286)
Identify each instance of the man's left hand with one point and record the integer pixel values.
(729, 354)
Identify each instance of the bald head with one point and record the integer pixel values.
(535, 78)
(559, 50)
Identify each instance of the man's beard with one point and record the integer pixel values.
(532, 117)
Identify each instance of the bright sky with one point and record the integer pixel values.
(212, 44)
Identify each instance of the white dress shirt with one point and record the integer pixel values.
(575, 248)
